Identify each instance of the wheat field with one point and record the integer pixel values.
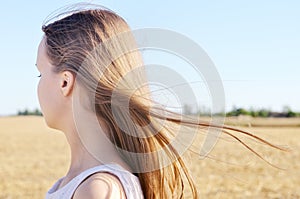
(33, 157)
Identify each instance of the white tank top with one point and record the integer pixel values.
(130, 182)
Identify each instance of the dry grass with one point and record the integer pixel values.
(33, 157)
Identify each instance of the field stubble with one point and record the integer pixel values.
(33, 157)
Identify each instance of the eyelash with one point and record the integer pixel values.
(39, 76)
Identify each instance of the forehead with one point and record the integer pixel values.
(41, 54)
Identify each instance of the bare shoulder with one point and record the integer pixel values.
(100, 185)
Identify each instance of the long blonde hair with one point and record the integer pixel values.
(72, 44)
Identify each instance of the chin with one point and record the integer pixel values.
(51, 124)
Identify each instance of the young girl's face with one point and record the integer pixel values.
(49, 94)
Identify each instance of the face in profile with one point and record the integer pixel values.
(49, 93)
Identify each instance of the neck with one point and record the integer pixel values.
(90, 146)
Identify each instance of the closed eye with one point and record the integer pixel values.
(40, 74)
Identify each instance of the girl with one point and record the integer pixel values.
(120, 148)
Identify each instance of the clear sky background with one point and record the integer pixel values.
(255, 45)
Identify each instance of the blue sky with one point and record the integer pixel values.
(254, 45)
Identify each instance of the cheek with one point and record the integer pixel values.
(44, 98)
(39, 94)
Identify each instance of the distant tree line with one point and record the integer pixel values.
(188, 110)
(286, 112)
(29, 112)
(262, 113)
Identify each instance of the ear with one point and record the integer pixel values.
(67, 80)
